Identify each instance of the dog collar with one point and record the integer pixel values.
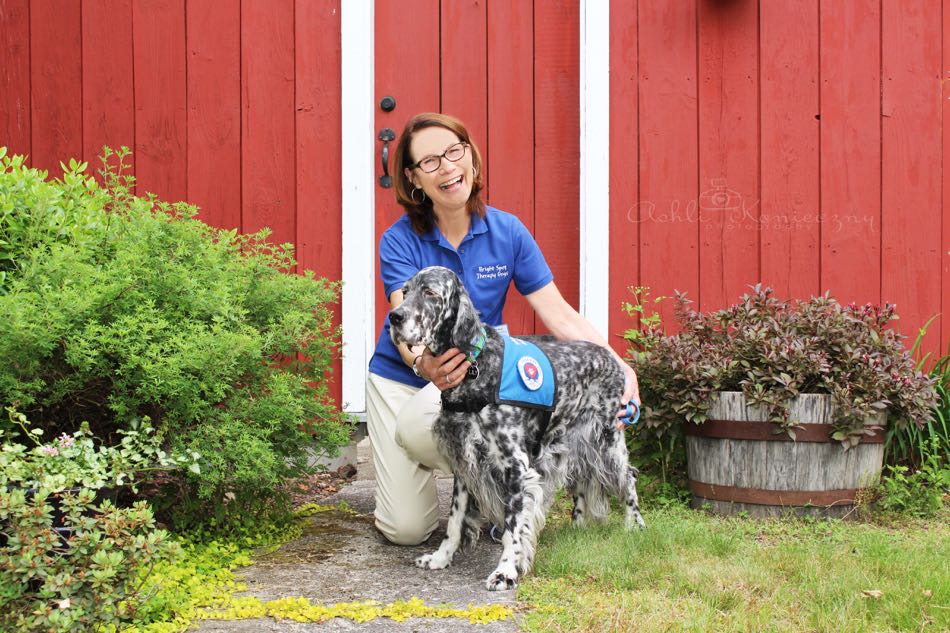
(479, 345)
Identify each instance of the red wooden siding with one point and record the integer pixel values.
(318, 138)
(850, 98)
(789, 112)
(511, 129)
(817, 123)
(234, 106)
(624, 175)
(668, 156)
(55, 82)
(15, 106)
(159, 80)
(945, 181)
(557, 146)
(797, 143)
(108, 115)
(729, 207)
(910, 161)
(267, 109)
(213, 32)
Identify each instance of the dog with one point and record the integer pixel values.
(509, 460)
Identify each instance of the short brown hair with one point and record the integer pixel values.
(421, 214)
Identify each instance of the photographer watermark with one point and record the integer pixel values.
(720, 206)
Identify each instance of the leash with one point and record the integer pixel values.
(632, 415)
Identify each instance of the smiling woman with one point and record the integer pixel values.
(437, 171)
(444, 179)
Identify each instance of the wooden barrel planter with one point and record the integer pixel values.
(737, 463)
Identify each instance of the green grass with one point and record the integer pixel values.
(689, 571)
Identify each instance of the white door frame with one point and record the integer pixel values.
(595, 163)
(358, 158)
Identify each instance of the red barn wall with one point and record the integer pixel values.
(799, 144)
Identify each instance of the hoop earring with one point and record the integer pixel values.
(412, 196)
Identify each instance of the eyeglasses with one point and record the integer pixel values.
(430, 163)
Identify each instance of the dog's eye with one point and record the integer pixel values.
(429, 292)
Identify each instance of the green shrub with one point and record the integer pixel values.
(115, 308)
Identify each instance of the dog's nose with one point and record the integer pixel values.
(396, 318)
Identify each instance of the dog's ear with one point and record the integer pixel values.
(467, 323)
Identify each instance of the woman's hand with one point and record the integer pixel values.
(446, 370)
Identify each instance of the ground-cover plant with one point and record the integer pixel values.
(773, 350)
(696, 572)
(201, 583)
(202, 575)
(115, 308)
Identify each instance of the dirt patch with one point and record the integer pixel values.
(318, 487)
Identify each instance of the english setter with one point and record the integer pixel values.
(508, 461)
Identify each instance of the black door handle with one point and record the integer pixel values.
(385, 135)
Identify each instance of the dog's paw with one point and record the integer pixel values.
(433, 561)
(501, 581)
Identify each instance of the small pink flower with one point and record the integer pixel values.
(65, 441)
(52, 451)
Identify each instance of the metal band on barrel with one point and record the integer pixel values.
(732, 494)
(766, 431)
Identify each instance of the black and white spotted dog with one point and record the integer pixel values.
(508, 461)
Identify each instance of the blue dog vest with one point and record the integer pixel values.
(527, 376)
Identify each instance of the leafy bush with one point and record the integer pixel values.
(912, 445)
(67, 562)
(85, 573)
(916, 480)
(773, 350)
(75, 461)
(659, 450)
(116, 308)
(920, 492)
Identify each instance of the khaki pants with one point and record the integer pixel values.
(399, 420)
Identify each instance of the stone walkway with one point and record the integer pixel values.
(341, 558)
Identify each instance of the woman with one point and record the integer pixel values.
(437, 171)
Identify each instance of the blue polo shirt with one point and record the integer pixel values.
(497, 250)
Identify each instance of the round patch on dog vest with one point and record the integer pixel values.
(530, 371)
